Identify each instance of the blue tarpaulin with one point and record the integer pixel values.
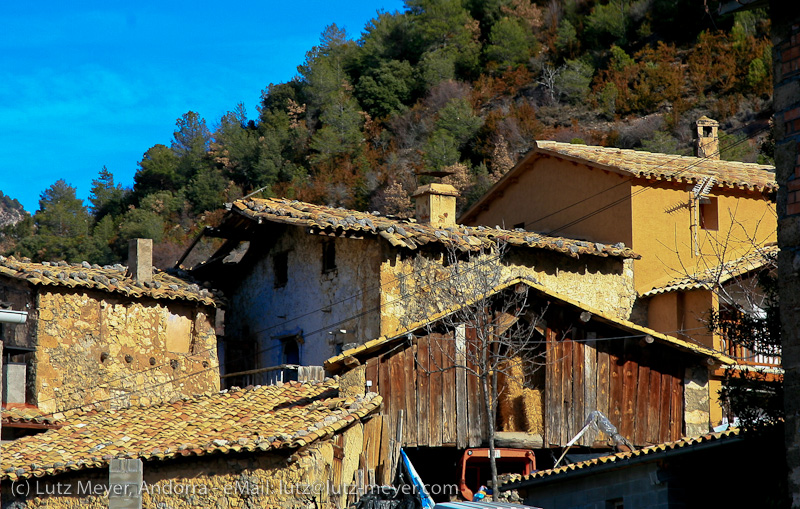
(427, 502)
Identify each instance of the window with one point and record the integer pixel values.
(291, 350)
(709, 214)
(17, 375)
(328, 256)
(280, 268)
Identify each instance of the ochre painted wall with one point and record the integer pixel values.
(663, 230)
(96, 347)
(547, 185)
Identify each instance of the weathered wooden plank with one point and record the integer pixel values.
(449, 410)
(423, 391)
(630, 373)
(664, 414)
(616, 376)
(398, 401)
(654, 406)
(590, 383)
(410, 392)
(553, 386)
(371, 374)
(578, 409)
(372, 441)
(642, 402)
(473, 392)
(435, 414)
(384, 460)
(385, 382)
(676, 405)
(603, 377)
(567, 424)
(462, 438)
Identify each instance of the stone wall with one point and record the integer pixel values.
(311, 303)
(786, 64)
(697, 403)
(97, 347)
(413, 287)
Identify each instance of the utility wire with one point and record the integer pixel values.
(630, 179)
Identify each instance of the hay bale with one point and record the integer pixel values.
(533, 410)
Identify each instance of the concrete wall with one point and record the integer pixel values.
(96, 347)
(786, 64)
(633, 487)
(312, 303)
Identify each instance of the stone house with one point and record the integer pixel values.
(294, 445)
(111, 336)
(652, 387)
(688, 217)
(674, 474)
(304, 281)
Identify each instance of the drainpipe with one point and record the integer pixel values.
(15, 317)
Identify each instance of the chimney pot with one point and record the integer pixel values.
(140, 260)
(436, 204)
(706, 143)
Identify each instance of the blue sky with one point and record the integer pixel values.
(88, 84)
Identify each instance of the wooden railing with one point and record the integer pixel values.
(767, 357)
(272, 375)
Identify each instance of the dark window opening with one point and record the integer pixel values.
(328, 256)
(280, 267)
(291, 350)
(707, 131)
(709, 214)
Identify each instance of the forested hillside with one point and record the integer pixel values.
(463, 86)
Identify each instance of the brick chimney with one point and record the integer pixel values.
(706, 139)
(436, 204)
(140, 260)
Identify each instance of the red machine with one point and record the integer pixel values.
(475, 468)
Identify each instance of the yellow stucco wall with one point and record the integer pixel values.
(542, 195)
(95, 347)
(663, 231)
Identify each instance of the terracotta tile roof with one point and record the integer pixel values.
(27, 414)
(253, 419)
(336, 362)
(713, 276)
(110, 278)
(620, 460)
(649, 165)
(409, 234)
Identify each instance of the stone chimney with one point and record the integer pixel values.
(706, 139)
(140, 260)
(436, 204)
